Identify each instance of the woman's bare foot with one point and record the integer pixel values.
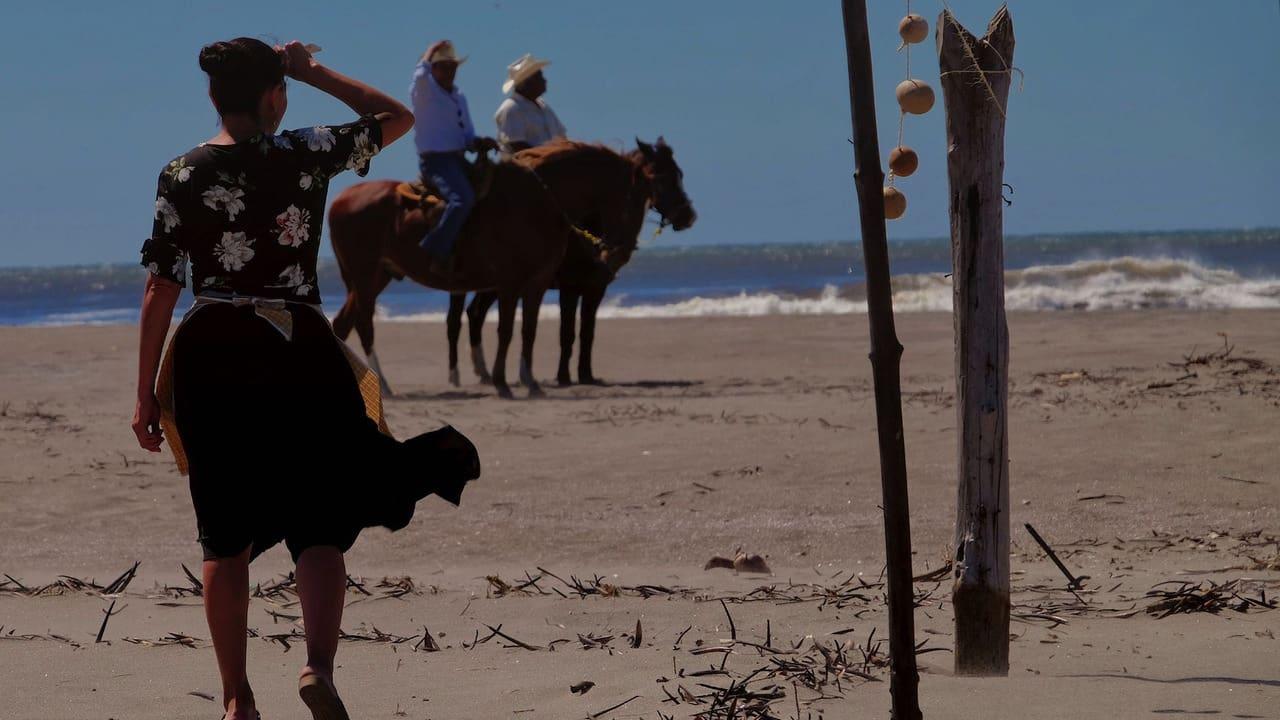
(316, 689)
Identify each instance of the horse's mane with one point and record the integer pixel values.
(563, 150)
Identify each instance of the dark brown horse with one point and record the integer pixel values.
(608, 197)
(512, 244)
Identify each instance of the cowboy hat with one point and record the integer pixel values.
(442, 51)
(523, 69)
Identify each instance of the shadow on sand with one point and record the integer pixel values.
(1180, 681)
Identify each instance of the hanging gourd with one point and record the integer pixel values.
(895, 203)
(913, 29)
(903, 161)
(914, 96)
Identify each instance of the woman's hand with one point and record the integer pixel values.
(395, 118)
(146, 423)
(298, 61)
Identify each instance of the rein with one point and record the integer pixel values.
(595, 241)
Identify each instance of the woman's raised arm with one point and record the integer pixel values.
(395, 118)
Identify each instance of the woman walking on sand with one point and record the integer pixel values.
(278, 426)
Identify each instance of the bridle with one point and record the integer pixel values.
(663, 220)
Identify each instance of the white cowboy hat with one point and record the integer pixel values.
(521, 70)
(442, 51)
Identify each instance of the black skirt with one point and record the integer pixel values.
(278, 442)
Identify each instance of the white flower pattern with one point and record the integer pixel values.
(279, 142)
(319, 138)
(179, 170)
(167, 214)
(295, 278)
(362, 151)
(222, 198)
(213, 217)
(234, 251)
(293, 224)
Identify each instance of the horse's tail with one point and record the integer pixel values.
(360, 220)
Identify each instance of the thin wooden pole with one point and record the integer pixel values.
(975, 84)
(886, 353)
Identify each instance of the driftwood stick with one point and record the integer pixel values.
(120, 583)
(975, 122)
(886, 357)
(615, 707)
(195, 582)
(733, 630)
(1073, 582)
(518, 643)
(106, 615)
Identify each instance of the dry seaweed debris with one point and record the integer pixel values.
(70, 584)
(173, 638)
(827, 669)
(1206, 596)
(596, 586)
(53, 637)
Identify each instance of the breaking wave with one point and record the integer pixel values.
(1125, 283)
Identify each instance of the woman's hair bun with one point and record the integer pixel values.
(240, 70)
(213, 57)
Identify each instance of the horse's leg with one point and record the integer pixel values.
(506, 324)
(453, 328)
(590, 304)
(367, 303)
(476, 313)
(345, 320)
(568, 329)
(531, 302)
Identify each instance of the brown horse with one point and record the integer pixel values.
(512, 244)
(608, 197)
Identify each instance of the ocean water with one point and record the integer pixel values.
(1075, 273)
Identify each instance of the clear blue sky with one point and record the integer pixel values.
(1135, 115)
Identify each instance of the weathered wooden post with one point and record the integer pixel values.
(975, 84)
(886, 353)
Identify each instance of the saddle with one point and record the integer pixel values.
(423, 194)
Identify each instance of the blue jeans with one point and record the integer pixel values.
(448, 171)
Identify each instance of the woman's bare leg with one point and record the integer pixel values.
(322, 588)
(226, 607)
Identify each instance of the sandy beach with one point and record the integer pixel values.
(1141, 449)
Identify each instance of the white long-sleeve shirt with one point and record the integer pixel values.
(442, 122)
(523, 120)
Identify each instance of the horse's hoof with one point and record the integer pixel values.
(504, 392)
(485, 380)
(565, 381)
(589, 380)
(536, 391)
(454, 379)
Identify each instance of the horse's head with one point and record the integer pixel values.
(666, 183)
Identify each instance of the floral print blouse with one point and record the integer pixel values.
(246, 218)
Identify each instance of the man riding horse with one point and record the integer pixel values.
(442, 133)
(553, 202)
(524, 119)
